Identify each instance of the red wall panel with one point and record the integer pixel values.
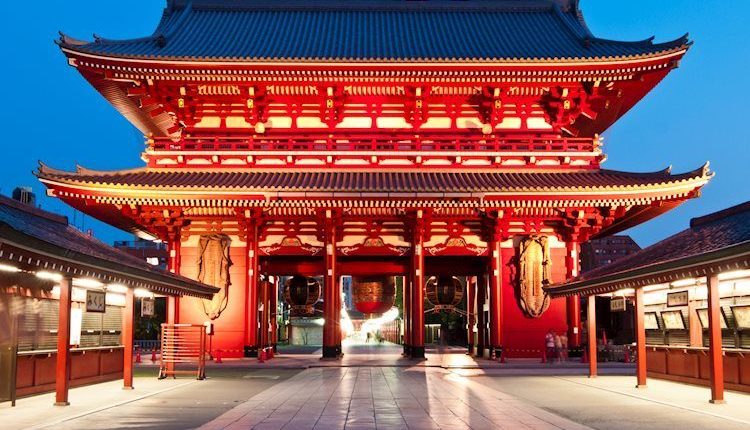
(230, 326)
(523, 336)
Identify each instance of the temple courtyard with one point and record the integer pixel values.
(372, 387)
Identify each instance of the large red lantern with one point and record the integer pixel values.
(301, 294)
(374, 295)
(444, 292)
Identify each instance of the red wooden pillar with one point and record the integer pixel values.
(173, 264)
(262, 314)
(715, 350)
(273, 311)
(62, 372)
(640, 340)
(417, 293)
(572, 264)
(331, 345)
(127, 339)
(471, 285)
(252, 323)
(591, 329)
(407, 314)
(496, 296)
(481, 319)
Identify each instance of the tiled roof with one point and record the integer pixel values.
(371, 181)
(696, 245)
(34, 224)
(361, 30)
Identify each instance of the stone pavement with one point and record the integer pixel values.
(385, 398)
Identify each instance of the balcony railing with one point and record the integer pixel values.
(360, 142)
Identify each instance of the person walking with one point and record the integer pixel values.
(563, 354)
(549, 344)
(558, 348)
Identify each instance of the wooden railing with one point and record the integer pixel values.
(378, 142)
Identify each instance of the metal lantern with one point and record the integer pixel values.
(444, 292)
(301, 294)
(374, 295)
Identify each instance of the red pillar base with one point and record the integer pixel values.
(332, 352)
(717, 402)
(417, 352)
(62, 403)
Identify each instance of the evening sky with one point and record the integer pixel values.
(698, 113)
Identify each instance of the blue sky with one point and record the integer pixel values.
(698, 113)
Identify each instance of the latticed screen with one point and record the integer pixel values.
(37, 324)
(38, 319)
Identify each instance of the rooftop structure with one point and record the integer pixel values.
(376, 138)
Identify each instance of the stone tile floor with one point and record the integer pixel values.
(385, 398)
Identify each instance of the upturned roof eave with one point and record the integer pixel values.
(405, 62)
(33, 244)
(611, 282)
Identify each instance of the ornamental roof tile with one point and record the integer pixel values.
(706, 237)
(50, 233)
(362, 30)
(372, 181)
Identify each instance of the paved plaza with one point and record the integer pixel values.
(373, 388)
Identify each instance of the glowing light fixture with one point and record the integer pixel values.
(684, 282)
(117, 288)
(142, 292)
(9, 268)
(87, 283)
(624, 292)
(737, 274)
(50, 276)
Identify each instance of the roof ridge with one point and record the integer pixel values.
(370, 5)
(719, 215)
(33, 210)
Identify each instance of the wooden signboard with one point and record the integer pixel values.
(618, 304)
(96, 301)
(679, 298)
(147, 307)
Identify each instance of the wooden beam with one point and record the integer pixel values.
(591, 328)
(62, 372)
(127, 339)
(715, 350)
(640, 340)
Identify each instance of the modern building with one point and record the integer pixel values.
(154, 253)
(374, 138)
(606, 250)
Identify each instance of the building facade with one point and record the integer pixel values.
(606, 250)
(366, 138)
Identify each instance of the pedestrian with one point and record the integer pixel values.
(558, 348)
(368, 337)
(563, 347)
(549, 344)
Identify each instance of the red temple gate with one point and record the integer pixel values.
(318, 154)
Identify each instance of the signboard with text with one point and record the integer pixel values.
(96, 301)
(147, 307)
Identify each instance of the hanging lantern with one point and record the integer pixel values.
(444, 292)
(374, 295)
(301, 294)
